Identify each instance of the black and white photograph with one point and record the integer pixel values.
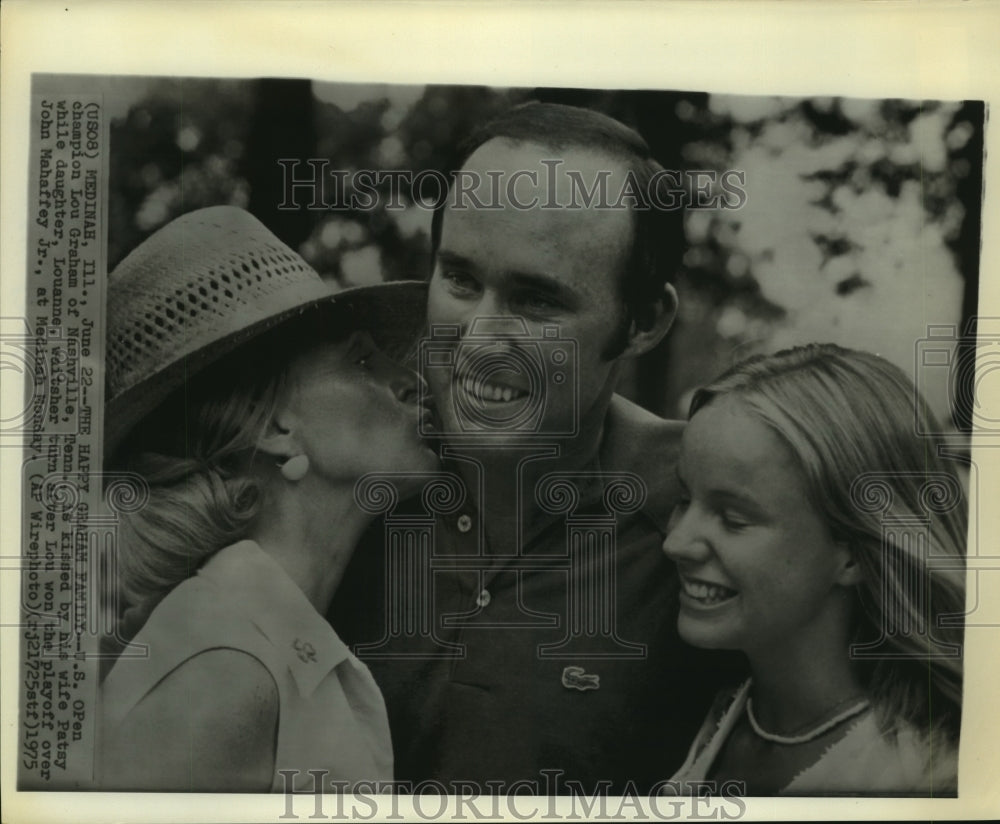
(551, 446)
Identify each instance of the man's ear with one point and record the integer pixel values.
(664, 311)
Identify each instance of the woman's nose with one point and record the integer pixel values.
(685, 539)
(404, 383)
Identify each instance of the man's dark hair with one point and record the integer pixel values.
(658, 240)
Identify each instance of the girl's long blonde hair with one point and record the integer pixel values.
(854, 420)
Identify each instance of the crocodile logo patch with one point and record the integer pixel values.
(575, 678)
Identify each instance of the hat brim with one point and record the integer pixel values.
(393, 312)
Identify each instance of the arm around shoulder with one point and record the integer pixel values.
(208, 726)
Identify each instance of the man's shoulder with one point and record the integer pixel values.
(634, 436)
(637, 441)
(626, 414)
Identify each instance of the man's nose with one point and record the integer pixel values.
(685, 540)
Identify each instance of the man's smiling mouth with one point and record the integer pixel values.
(485, 390)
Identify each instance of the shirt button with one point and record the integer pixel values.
(484, 598)
(464, 523)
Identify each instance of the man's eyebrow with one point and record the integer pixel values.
(452, 259)
(545, 285)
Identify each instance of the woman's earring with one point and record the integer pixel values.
(295, 468)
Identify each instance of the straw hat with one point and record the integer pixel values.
(208, 282)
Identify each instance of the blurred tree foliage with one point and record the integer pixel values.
(179, 147)
(861, 224)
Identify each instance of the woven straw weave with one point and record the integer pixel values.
(207, 282)
(216, 271)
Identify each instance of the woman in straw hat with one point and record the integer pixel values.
(246, 400)
(820, 535)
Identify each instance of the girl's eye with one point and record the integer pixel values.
(733, 520)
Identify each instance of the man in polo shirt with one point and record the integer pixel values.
(543, 649)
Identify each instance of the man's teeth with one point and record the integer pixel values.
(490, 391)
(708, 593)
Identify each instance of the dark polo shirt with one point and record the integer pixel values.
(564, 660)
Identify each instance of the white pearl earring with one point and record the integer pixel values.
(295, 468)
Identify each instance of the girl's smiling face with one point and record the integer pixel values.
(757, 562)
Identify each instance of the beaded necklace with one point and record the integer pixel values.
(810, 735)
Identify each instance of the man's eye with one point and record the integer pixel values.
(459, 282)
(538, 303)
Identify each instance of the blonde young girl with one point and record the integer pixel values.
(820, 535)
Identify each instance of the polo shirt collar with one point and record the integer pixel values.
(273, 602)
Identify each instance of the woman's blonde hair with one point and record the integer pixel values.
(195, 453)
(852, 419)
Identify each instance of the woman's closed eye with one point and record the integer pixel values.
(361, 349)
